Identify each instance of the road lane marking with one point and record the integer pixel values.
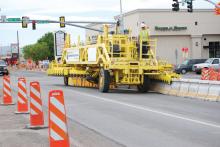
(151, 110)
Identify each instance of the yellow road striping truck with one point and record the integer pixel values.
(115, 59)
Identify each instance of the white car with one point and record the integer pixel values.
(209, 63)
(45, 63)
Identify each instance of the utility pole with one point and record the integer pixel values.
(18, 46)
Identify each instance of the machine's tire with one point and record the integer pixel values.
(145, 86)
(104, 81)
(66, 82)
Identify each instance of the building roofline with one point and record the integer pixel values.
(162, 10)
(155, 10)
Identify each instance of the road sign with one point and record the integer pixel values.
(13, 19)
(42, 21)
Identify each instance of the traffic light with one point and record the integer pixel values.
(175, 5)
(62, 21)
(33, 25)
(190, 5)
(24, 22)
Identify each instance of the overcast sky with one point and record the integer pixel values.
(85, 10)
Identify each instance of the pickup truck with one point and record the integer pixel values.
(209, 63)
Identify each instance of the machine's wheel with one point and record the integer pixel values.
(66, 82)
(104, 80)
(145, 86)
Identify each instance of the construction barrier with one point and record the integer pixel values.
(214, 91)
(218, 76)
(213, 75)
(58, 134)
(175, 87)
(210, 74)
(184, 88)
(7, 94)
(36, 111)
(22, 103)
(205, 74)
(193, 88)
(202, 89)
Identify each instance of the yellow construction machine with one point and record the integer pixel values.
(113, 60)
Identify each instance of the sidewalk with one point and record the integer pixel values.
(13, 132)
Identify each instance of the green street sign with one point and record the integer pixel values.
(42, 22)
(13, 19)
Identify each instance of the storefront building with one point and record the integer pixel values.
(179, 35)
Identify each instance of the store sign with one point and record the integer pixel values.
(174, 28)
(72, 55)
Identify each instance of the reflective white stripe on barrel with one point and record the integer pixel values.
(7, 91)
(33, 112)
(22, 93)
(36, 104)
(55, 136)
(6, 84)
(35, 92)
(58, 122)
(58, 105)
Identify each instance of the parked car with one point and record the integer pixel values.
(45, 63)
(187, 65)
(209, 63)
(3, 68)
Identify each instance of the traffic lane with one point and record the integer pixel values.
(80, 101)
(191, 107)
(135, 127)
(79, 134)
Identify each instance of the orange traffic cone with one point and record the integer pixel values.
(22, 104)
(58, 135)
(36, 111)
(7, 96)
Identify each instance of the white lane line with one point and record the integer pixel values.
(151, 110)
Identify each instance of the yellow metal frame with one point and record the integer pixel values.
(118, 54)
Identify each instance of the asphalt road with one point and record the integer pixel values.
(128, 118)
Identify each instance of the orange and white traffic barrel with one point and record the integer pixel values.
(58, 134)
(36, 111)
(7, 94)
(22, 103)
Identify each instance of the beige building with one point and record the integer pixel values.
(198, 31)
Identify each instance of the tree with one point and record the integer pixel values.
(27, 51)
(43, 49)
(40, 51)
(49, 39)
